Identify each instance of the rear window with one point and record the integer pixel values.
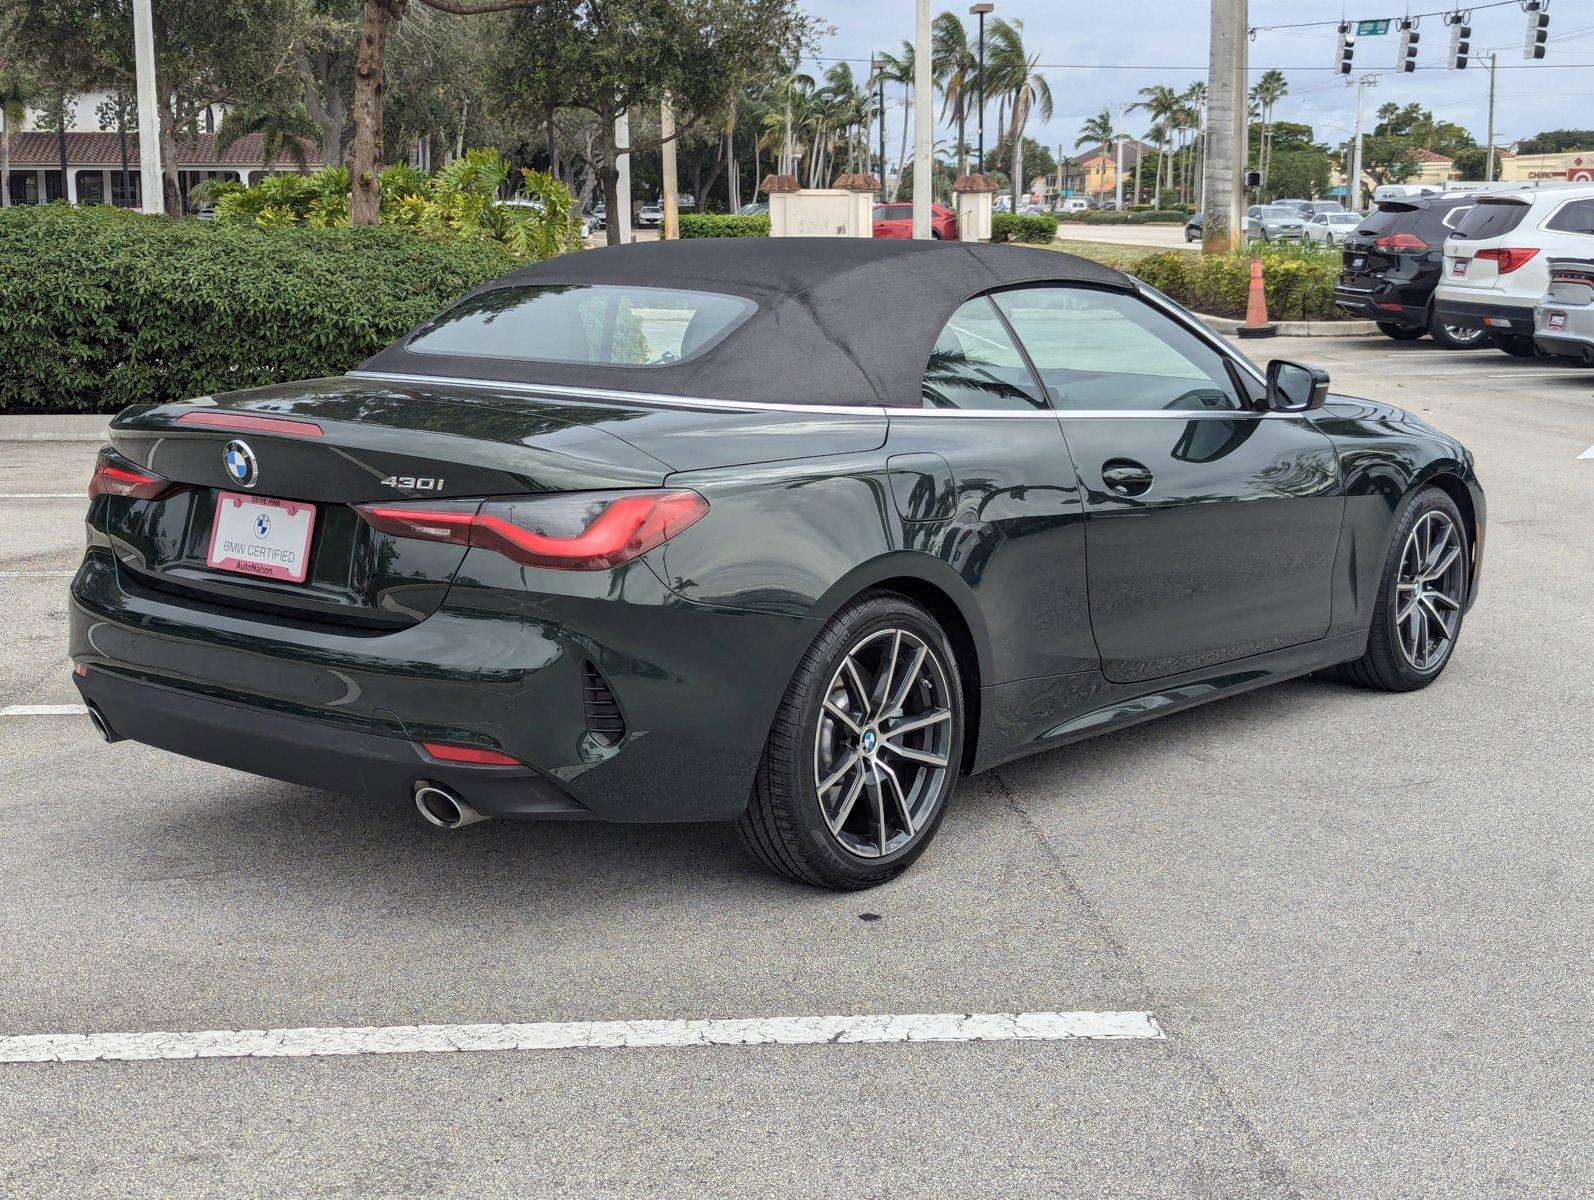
(613, 325)
(1431, 222)
(1490, 219)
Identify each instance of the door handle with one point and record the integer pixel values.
(1126, 477)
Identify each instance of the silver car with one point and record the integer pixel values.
(1278, 221)
(1563, 319)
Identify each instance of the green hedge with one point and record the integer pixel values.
(1299, 284)
(102, 308)
(720, 225)
(1037, 229)
(1161, 216)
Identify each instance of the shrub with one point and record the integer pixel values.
(715, 225)
(101, 308)
(1299, 283)
(1161, 216)
(1037, 229)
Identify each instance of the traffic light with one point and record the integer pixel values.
(1408, 46)
(1347, 48)
(1460, 40)
(1538, 30)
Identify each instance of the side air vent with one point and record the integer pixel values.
(604, 721)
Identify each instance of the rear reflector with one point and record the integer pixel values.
(243, 423)
(574, 531)
(113, 478)
(1508, 258)
(443, 752)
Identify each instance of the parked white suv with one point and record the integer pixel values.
(1497, 261)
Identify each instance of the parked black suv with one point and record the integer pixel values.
(1393, 261)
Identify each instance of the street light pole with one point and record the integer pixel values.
(149, 122)
(1353, 181)
(923, 121)
(980, 10)
(1488, 174)
(877, 69)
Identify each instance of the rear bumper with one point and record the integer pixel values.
(309, 753)
(1493, 316)
(1382, 304)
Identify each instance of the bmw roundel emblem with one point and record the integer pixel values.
(262, 526)
(239, 460)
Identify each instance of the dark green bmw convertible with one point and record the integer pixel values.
(790, 533)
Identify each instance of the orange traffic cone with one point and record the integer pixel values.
(1256, 323)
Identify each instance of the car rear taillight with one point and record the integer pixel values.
(244, 423)
(475, 755)
(1401, 241)
(113, 477)
(578, 531)
(1507, 258)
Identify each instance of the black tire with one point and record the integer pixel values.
(1401, 333)
(785, 826)
(1514, 344)
(1385, 664)
(1456, 337)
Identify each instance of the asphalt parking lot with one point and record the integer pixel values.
(1361, 920)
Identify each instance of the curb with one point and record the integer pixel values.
(1229, 325)
(74, 427)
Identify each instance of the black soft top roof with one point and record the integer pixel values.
(838, 320)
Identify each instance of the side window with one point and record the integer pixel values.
(1096, 349)
(1576, 217)
(976, 365)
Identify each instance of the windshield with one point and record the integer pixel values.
(613, 325)
(1279, 210)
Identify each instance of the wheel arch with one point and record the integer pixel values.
(936, 587)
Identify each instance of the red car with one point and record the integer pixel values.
(896, 221)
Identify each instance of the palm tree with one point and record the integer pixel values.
(1160, 101)
(1017, 81)
(899, 68)
(1097, 130)
(1269, 90)
(1194, 101)
(955, 64)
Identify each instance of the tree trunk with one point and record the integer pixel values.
(609, 176)
(60, 142)
(121, 144)
(1016, 144)
(963, 145)
(1139, 152)
(323, 99)
(365, 207)
(902, 159)
(5, 162)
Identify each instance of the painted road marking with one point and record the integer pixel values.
(44, 710)
(568, 1035)
(1589, 453)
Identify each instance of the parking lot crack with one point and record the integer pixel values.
(1269, 1165)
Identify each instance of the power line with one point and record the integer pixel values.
(1525, 66)
(1443, 12)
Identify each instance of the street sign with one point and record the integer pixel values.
(1371, 28)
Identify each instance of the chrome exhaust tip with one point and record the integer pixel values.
(444, 808)
(101, 725)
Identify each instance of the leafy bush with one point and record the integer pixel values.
(718, 225)
(1135, 216)
(101, 308)
(1036, 229)
(1299, 283)
(458, 200)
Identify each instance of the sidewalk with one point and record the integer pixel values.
(76, 427)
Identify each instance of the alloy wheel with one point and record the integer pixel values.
(882, 748)
(1429, 590)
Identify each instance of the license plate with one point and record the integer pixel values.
(1557, 320)
(1459, 267)
(256, 535)
(1357, 263)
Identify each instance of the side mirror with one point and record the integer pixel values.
(1295, 387)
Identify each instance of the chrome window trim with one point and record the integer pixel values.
(854, 410)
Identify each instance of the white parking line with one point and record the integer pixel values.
(568, 1035)
(44, 710)
(1589, 453)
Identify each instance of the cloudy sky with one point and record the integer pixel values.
(1095, 55)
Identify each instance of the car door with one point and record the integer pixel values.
(1210, 526)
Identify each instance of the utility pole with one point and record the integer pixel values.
(1118, 162)
(672, 203)
(1223, 177)
(876, 70)
(1353, 180)
(1488, 174)
(149, 122)
(622, 220)
(923, 121)
(980, 10)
